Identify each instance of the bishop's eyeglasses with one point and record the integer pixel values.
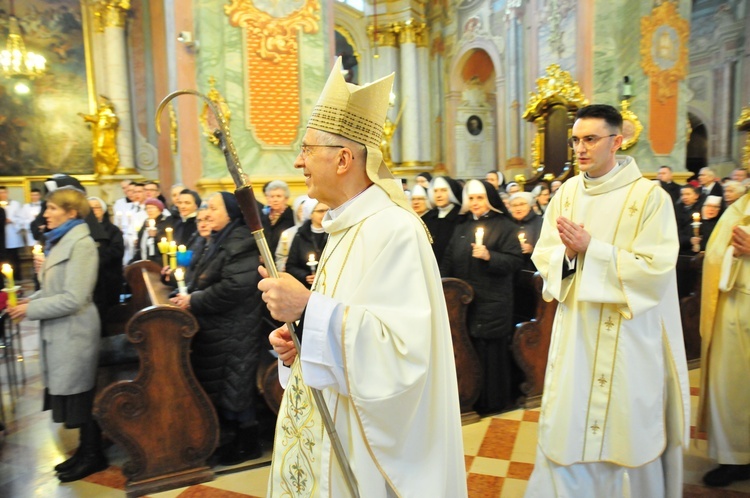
(589, 141)
(305, 150)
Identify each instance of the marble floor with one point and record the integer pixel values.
(499, 451)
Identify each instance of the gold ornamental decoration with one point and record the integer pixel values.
(631, 126)
(664, 59)
(743, 124)
(206, 114)
(556, 87)
(110, 13)
(664, 48)
(270, 37)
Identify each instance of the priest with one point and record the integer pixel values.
(615, 408)
(376, 338)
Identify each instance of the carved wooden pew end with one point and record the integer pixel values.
(163, 419)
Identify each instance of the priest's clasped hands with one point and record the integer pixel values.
(573, 236)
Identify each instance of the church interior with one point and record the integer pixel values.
(480, 86)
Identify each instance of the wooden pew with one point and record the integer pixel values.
(690, 307)
(531, 345)
(163, 419)
(458, 296)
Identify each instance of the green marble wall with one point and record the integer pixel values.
(617, 43)
(221, 56)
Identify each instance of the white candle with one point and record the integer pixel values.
(7, 271)
(522, 238)
(179, 275)
(312, 263)
(479, 236)
(37, 250)
(152, 223)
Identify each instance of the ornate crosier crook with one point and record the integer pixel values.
(249, 207)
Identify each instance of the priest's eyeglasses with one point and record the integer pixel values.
(305, 150)
(589, 141)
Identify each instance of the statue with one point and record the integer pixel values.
(389, 128)
(104, 126)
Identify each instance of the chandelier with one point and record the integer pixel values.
(15, 60)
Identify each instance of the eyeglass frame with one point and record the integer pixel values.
(589, 141)
(305, 155)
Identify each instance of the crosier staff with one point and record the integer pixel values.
(249, 207)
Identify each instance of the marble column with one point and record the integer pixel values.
(114, 17)
(409, 79)
(514, 84)
(501, 118)
(385, 61)
(425, 112)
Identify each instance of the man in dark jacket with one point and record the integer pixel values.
(665, 180)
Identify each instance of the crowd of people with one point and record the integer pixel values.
(361, 277)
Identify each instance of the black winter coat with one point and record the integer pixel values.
(441, 229)
(531, 226)
(273, 232)
(305, 242)
(490, 314)
(161, 226)
(226, 302)
(109, 284)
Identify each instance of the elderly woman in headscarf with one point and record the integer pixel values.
(484, 251)
(152, 231)
(109, 284)
(419, 201)
(445, 195)
(223, 295)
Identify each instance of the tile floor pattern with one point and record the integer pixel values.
(499, 453)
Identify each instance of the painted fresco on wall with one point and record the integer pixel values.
(40, 132)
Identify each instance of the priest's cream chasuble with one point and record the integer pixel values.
(725, 341)
(616, 383)
(399, 417)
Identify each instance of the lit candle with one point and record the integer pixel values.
(312, 263)
(10, 284)
(696, 224)
(169, 231)
(181, 248)
(479, 236)
(522, 238)
(151, 223)
(173, 255)
(37, 250)
(179, 275)
(163, 249)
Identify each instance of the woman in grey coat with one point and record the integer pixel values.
(69, 325)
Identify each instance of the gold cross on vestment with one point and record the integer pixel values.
(567, 203)
(602, 381)
(595, 427)
(633, 209)
(609, 323)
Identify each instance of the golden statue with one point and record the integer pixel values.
(389, 128)
(104, 126)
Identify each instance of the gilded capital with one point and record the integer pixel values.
(412, 31)
(110, 13)
(385, 36)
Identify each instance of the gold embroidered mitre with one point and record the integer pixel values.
(358, 113)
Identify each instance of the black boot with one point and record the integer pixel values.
(91, 457)
(69, 463)
(245, 446)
